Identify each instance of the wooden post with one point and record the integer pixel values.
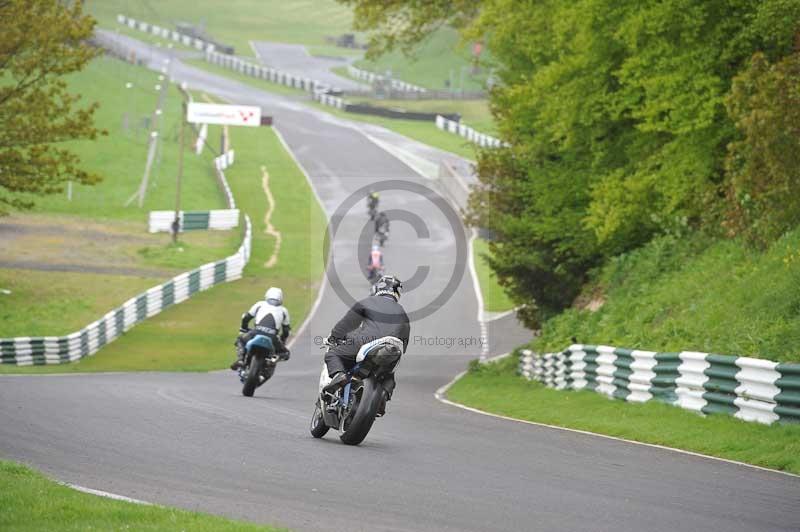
(176, 223)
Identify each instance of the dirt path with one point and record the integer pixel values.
(270, 229)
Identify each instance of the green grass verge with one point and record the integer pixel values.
(694, 294)
(474, 113)
(31, 501)
(425, 132)
(197, 335)
(435, 61)
(56, 302)
(120, 157)
(298, 22)
(496, 388)
(494, 297)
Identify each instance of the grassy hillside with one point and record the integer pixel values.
(436, 60)
(32, 502)
(298, 22)
(474, 113)
(120, 156)
(197, 335)
(693, 294)
(70, 261)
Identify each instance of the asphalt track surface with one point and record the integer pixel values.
(192, 441)
(295, 59)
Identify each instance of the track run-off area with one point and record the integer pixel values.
(191, 440)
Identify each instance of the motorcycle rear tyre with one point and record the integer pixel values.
(253, 373)
(365, 413)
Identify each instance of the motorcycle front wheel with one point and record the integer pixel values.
(253, 375)
(356, 426)
(318, 427)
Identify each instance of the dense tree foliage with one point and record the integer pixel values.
(619, 115)
(40, 42)
(403, 23)
(764, 163)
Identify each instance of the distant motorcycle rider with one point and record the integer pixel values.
(271, 320)
(372, 203)
(371, 318)
(382, 226)
(375, 262)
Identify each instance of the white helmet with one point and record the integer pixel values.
(274, 296)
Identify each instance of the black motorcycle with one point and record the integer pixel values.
(352, 408)
(382, 236)
(259, 364)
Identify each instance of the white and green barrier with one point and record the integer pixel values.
(165, 33)
(463, 130)
(327, 99)
(25, 351)
(220, 220)
(272, 75)
(371, 77)
(750, 389)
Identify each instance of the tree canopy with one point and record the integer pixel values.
(625, 119)
(40, 42)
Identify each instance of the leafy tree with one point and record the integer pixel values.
(403, 23)
(40, 42)
(616, 114)
(764, 163)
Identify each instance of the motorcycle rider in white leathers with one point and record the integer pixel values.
(271, 319)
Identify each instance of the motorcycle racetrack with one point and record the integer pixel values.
(191, 440)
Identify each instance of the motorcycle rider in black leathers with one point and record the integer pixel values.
(371, 318)
(271, 320)
(382, 223)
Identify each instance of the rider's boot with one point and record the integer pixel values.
(239, 363)
(336, 382)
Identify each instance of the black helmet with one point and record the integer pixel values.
(388, 285)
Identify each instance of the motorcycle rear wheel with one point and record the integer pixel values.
(253, 376)
(361, 421)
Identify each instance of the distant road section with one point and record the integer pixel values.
(295, 59)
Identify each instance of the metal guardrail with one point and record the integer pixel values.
(747, 388)
(463, 130)
(371, 77)
(266, 73)
(165, 33)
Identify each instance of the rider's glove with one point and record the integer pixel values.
(332, 341)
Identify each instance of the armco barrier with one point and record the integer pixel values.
(748, 388)
(266, 73)
(221, 220)
(371, 77)
(165, 33)
(462, 130)
(26, 351)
